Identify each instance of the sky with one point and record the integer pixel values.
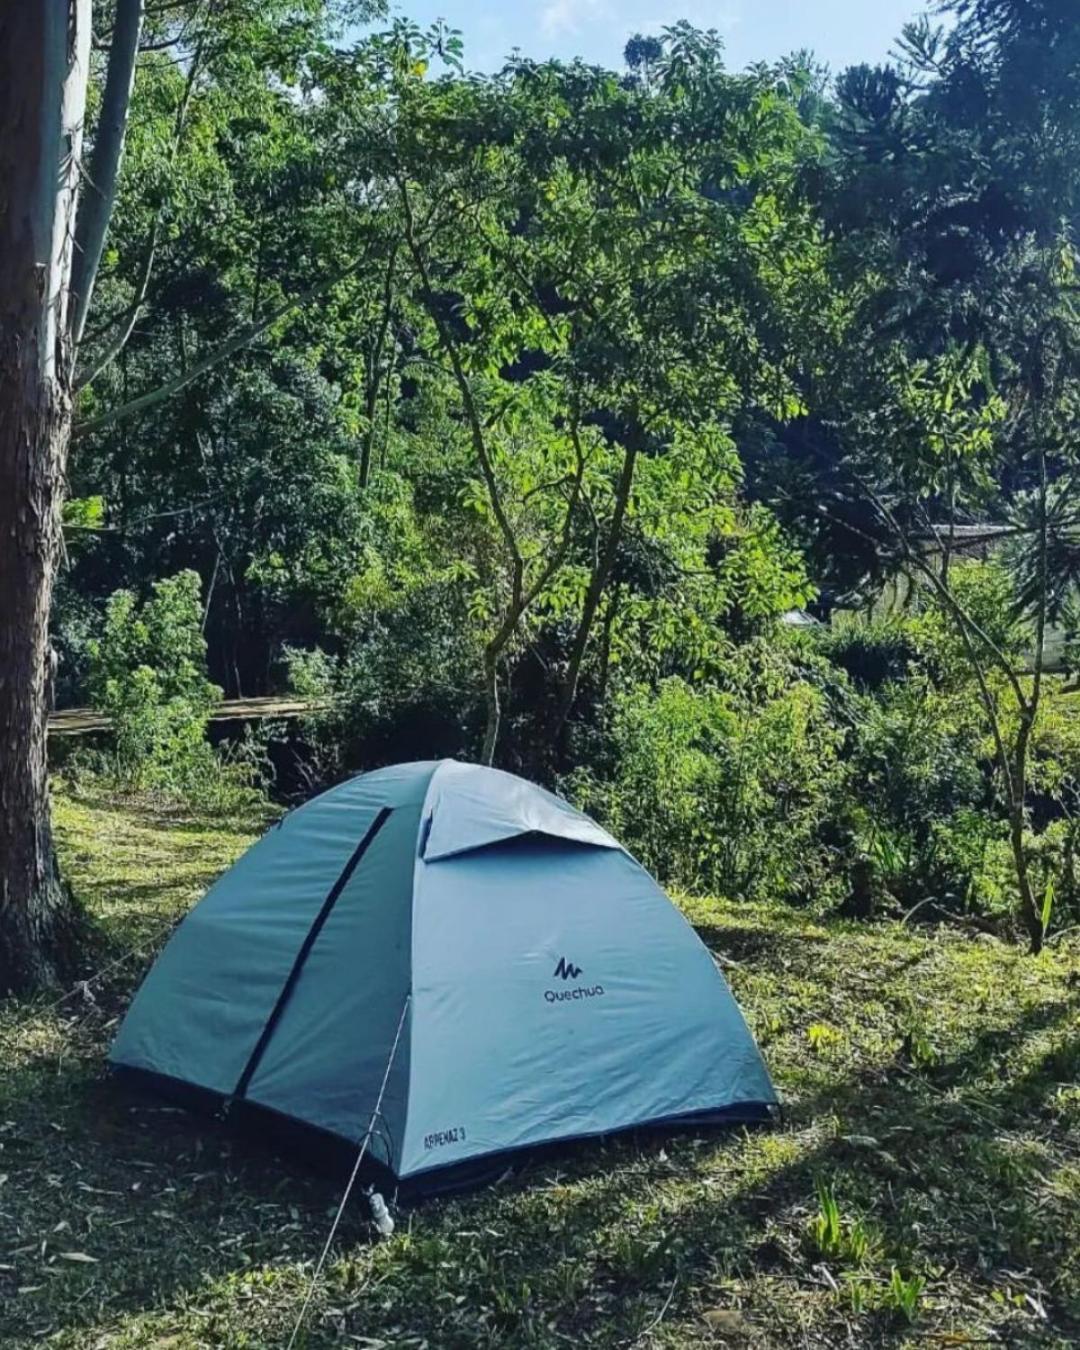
(840, 32)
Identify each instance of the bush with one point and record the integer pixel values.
(871, 654)
(148, 673)
(925, 818)
(404, 688)
(718, 791)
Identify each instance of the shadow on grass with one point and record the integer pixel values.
(161, 1202)
(117, 1206)
(118, 1209)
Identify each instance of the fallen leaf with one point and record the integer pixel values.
(78, 1256)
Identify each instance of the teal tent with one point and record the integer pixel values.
(463, 941)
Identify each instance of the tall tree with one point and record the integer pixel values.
(44, 77)
(613, 258)
(54, 219)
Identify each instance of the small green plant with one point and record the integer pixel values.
(1047, 904)
(852, 1241)
(918, 1047)
(310, 672)
(857, 1291)
(825, 1227)
(821, 1036)
(903, 1295)
(860, 1241)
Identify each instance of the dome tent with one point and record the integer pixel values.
(468, 942)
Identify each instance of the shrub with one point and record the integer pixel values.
(721, 791)
(871, 654)
(148, 673)
(403, 689)
(923, 820)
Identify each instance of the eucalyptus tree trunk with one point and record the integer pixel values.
(44, 65)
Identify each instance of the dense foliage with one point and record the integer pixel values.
(563, 392)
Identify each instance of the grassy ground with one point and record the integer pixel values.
(923, 1189)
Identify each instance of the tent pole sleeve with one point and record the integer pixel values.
(302, 955)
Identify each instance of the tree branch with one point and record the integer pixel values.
(212, 358)
(371, 398)
(472, 413)
(142, 285)
(130, 316)
(92, 222)
(602, 569)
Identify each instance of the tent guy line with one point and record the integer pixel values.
(352, 1178)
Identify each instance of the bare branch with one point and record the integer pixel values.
(130, 316)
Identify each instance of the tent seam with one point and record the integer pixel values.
(421, 835)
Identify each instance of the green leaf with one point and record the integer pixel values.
(1048, 903)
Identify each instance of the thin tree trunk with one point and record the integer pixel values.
(605, 648)
(1030, 909)
(595, 592)
(127, 321)
(44, 62)
(388, 408)
(376, 373)
(491, 700)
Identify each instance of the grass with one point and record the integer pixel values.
(924, 1187)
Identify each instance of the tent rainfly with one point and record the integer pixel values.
(468, 944)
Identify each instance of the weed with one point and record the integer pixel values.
(918, 1047)
(852, 1241)
(903, 1295)
(825, 1226)
(822, 1036)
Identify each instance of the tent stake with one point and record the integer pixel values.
(352, 1179)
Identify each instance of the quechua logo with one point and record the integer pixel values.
(566, 970)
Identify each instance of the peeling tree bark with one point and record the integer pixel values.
(44, 65)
